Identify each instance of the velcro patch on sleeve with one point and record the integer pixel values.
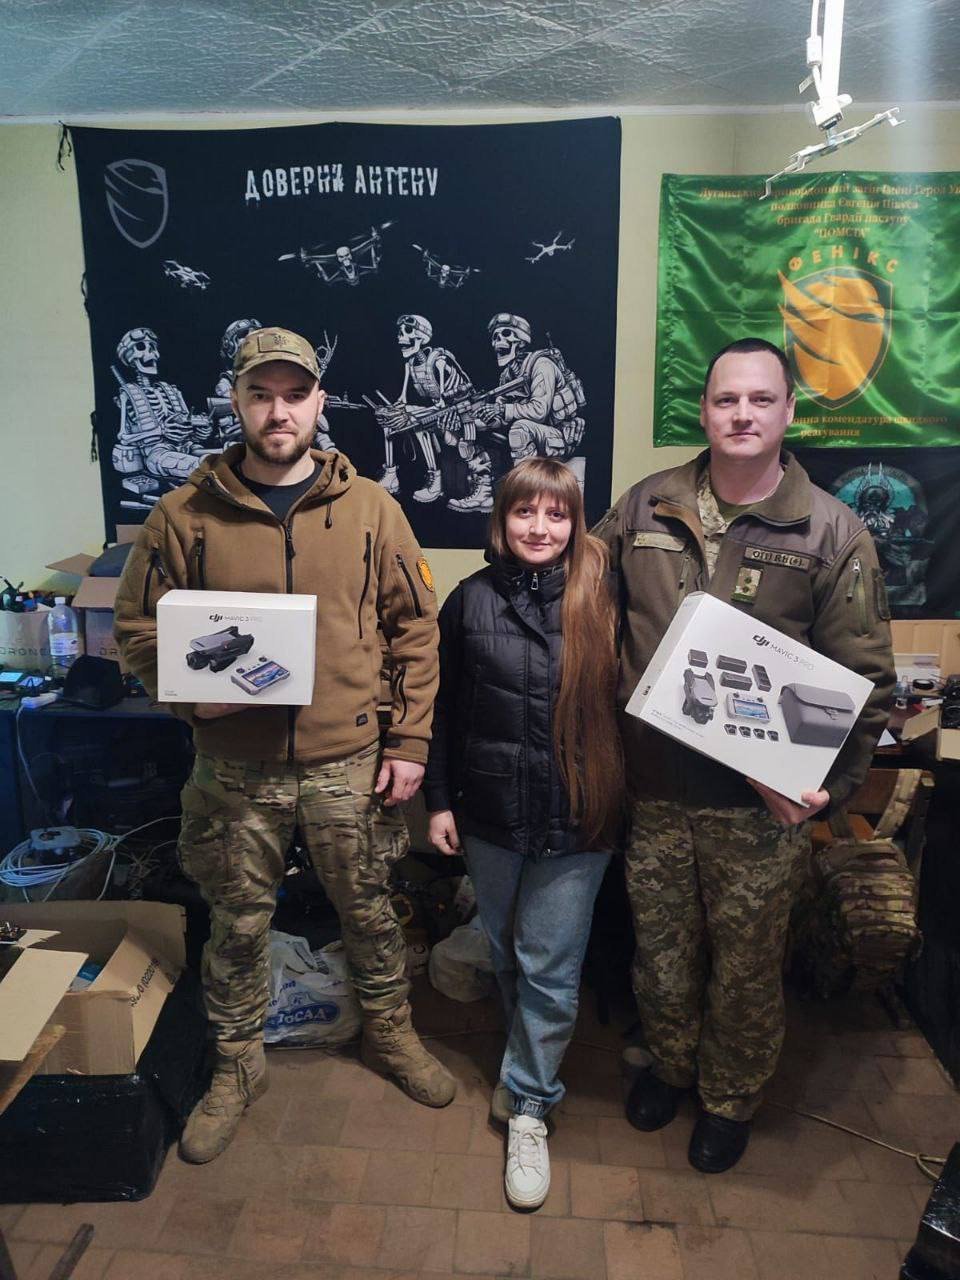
(657, 538)
(426, 574)
(782, 559)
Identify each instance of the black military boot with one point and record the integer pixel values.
(651, 1102)
(716, 1143)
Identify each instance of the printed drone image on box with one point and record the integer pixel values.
(748, 696)
(236, 646)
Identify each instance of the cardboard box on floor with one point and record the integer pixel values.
(24, 642)
(94, 598)
(945, 745)
(141, 948)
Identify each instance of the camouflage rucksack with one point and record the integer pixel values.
(856, 922)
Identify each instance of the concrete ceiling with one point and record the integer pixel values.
(79, 58)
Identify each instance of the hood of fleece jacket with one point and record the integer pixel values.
(215, 476)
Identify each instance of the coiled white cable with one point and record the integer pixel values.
(20, 870)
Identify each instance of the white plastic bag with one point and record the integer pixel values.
(460, 966)
(312, 1001)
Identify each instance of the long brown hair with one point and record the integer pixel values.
(585, 734)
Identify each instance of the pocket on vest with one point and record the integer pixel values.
(491, 782)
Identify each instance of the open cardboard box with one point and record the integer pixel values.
(929, 635)
(94, 598)
(942, 638)
(107, 1025)
(946, 744)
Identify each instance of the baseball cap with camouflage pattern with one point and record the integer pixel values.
(264, 345)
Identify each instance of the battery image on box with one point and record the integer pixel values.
(699, 696)
(264, 673)
(731, 681)
(218, 650)
(731, 664)
(761, 677)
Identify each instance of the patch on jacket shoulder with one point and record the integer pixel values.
(747, 585)
(783, 559)
(657, 538)
(426, 576)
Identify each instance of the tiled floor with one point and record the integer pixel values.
(335, 1175)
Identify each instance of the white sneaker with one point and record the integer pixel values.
(501, 1104)
(527, 1176)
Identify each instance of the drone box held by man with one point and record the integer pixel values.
(236, 646)
(749, 696)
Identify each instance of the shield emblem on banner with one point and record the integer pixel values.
(138, 200)
(836, 329)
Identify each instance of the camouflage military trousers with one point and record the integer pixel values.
(710, 891)
(238, 821)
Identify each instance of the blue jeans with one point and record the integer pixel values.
(537, 916)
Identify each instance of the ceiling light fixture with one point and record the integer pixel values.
(823, 59)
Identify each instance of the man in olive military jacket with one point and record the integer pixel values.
(713, 859)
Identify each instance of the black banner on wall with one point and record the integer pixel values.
(908, 499)
(441, 272)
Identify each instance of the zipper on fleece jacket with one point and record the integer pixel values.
(199, 554)
(417, 607)
(289, 551)
(367, 556)
(685, 567)
(401, 692)
(155, 566)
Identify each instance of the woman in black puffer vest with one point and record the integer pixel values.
(525, 769)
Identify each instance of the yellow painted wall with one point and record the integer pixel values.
(50, 490)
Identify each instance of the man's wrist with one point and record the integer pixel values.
(411, 750)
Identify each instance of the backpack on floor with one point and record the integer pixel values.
(856, 922)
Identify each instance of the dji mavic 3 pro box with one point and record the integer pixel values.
(236, 646)
(762, 703)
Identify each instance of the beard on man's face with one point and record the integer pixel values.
(291, 451)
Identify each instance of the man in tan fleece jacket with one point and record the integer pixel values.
(272, 514)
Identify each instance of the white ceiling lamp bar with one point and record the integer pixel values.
(823, 59)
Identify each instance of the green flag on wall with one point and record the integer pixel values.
(856, 275)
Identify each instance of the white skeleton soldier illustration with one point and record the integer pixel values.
(323, 439)
(218, 405)
(159, 439)
(435, 377)
(541, 409)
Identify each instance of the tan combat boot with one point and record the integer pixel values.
(391, 1046)
(239, 1078)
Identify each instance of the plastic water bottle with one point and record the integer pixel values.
(64, 632)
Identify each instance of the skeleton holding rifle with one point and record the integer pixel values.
(434, 376)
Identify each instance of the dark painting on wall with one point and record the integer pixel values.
(459, 284)
(908, 499)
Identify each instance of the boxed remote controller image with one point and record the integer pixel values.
(749, 696)
(236, 646)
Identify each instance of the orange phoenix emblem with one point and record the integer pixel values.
(836, 327)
